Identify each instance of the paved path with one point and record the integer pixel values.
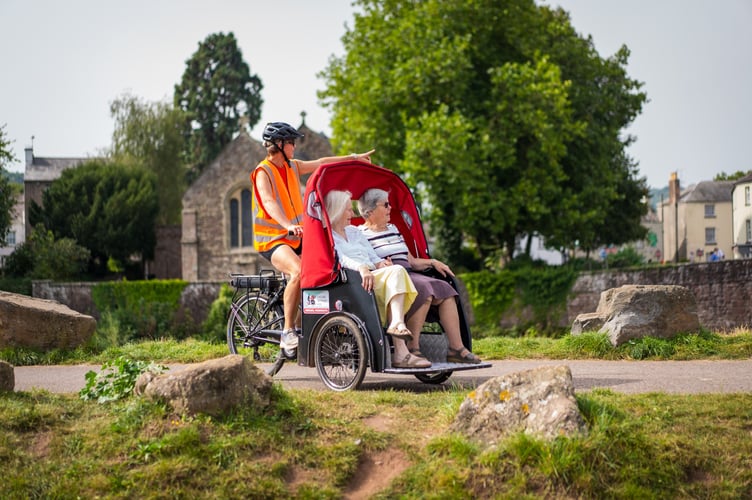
(679, 377)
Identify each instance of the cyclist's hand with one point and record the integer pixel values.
(295, 230)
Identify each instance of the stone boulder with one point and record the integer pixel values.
(539, 402)
(634, 311)
(7, 377)
(213, 387)
(41, 324)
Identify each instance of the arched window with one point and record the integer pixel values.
(240, 219)
(234, 224)
(246, 223)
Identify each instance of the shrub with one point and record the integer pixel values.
(44, 257)
(214, 328)
(142, 309)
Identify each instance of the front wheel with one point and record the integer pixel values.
(340, 354)
(249, 318)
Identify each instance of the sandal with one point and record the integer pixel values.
(415, 351)
(412, 361)
(400, 332)
(461, 356)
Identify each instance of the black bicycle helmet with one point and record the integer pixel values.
(276, 131)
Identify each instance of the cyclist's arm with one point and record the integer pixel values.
(306, 167)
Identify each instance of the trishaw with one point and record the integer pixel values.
(342, 333)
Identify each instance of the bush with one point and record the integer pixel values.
(526, 284)
(214, 328)
(626, 257)
(44, 257)
(142, 309)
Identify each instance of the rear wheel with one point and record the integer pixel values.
(340, 354)
(248, 318)
(433, 377)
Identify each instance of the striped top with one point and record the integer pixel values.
(389, 243)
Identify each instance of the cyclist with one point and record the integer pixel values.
(278, 214)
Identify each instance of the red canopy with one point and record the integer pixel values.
(319, 265)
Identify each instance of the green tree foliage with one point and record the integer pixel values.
(216, 90)
(41, 256)
(723, 176)
(150, 135)
(507, 121)
(106, 207)
(7, 192)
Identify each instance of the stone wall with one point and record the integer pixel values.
(723, 290)
(195, 301)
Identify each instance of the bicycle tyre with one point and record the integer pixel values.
(246, 318)
(341, 354)
(434, 377)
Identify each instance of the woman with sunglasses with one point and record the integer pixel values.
(388, 243)
(278, 213)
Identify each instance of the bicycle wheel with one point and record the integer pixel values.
(248, 318)
(341, 354)
(433, 377)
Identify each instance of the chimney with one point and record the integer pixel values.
(673, 188)
(29, 155)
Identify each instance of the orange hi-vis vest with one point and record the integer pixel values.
(267, 232)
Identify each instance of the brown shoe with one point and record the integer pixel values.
(412, 361)
(461, 356)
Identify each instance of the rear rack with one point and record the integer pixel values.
(267, 282)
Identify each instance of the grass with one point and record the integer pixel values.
(312, 444)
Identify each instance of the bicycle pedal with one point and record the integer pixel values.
(290, 353)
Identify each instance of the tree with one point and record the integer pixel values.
(43, 257)
(149, 135)
(7, 193)
(216, 90)
(506, 119)
(106, 207)
(723, 176)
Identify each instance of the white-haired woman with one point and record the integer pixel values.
(391, 285)
(388, 243)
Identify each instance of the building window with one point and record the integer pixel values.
(709, 211)
(245, 220)
(746, 196)
(234, 225)
(241, 220)
(748, 227)
(10, 240)
(710, 236)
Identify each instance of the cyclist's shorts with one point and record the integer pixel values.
(267, 254)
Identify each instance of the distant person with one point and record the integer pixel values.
(278, 214)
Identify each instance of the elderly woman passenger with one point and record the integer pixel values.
(390, 284)
(388, 244)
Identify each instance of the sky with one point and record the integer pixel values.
(64, 62)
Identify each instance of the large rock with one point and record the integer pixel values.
(213, 387)
(7, 377)
(539, 402)
(41, 324)
(634, 311)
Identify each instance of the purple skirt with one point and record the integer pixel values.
(427, 287)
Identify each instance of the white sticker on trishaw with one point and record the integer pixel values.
(316, 301)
